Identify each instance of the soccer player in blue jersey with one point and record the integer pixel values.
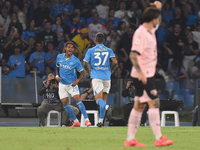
(99, 58)
(66, 66)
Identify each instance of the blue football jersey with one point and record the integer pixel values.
(99, 58)
(68, 68)
(20, 62)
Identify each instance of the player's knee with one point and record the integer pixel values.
(140, 106)
(154, 103)
(64, 101)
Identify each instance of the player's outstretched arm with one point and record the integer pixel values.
(157, 4)
(114, 64)
(85, 66)
(58, 78)
(134, 60)
(79, 79)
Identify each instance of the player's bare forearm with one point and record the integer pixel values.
(81, 76)
(114, 64)
(57, 71)
(85, 66)
(134, 60)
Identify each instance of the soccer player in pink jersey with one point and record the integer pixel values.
(144, 59)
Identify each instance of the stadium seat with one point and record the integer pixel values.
(124, 100)
(49, 118)
(161, 96)
(176, 117)
(189, 100)
(187, 91)
(179, 96)
(96, 117)
(169, 86)
(110, 98)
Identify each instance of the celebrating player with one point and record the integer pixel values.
(99, 58)
(66, 66)
(144, 59)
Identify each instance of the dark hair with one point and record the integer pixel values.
(59, 16)
(37, 43)
(175, 63)
(50, 67)
(132, 27)
(95, 14)
(150, 13)
(72, 16)
(192, 8)
(119, 25)
(69, 42)
(31, 69)
(112, 9)
(7, 66)
(170, 5)
(50, 42)
(28, 25)
(31, 37)
(47, 22)
(99, 37)
(65, 45)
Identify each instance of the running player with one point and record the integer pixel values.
(99, 58)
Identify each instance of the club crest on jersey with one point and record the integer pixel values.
(154, 92)
(137, 41)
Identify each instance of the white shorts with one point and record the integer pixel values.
(99, 85)
(67, 90)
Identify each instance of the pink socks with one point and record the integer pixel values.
(154, 120)
(133, 123)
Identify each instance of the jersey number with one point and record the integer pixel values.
(100, 59)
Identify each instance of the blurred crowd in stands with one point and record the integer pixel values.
(33, 33)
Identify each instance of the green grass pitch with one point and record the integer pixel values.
(91, 138)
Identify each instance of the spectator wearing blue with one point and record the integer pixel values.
(51, 55)
(82, 20)
(68, 7)
(6, 72)
(30, 31)
(112, 17)
(168, 12)
(73, 28)
(91, 19)
(32, 74)
(162, 33)
(58, 29)
(37, 58)
(57, 9)
(17, 62)
(191, 14)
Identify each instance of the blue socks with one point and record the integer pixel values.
(102, 109)
(82, 109)
(69, 110)
(102, 113)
